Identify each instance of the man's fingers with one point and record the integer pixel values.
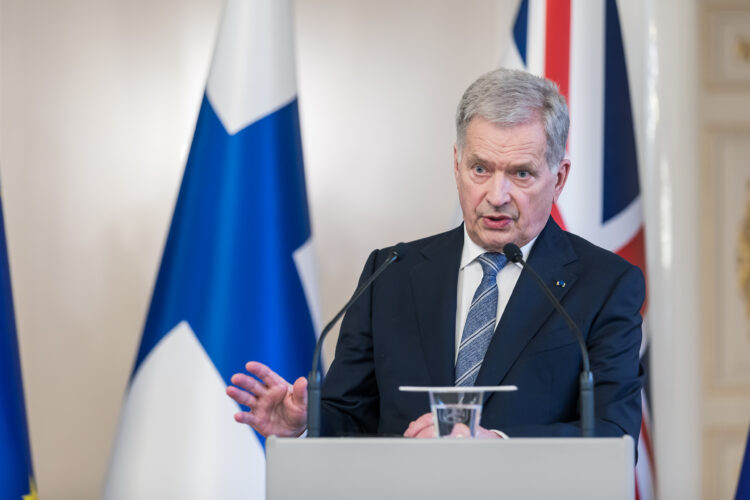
(268, 376)
(242, 397)
(245, 417)
(250, 384)
(460, 431)
(426, 433)
(424, 426)
(412, 430)
(426, 419)
(420, 426)
(483, 433)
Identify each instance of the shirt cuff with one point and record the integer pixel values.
(500, 433)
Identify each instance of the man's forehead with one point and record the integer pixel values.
(488, 138)
(533, 122)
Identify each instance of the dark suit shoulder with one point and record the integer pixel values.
(591, 264)
(416, 250)
(605, 271)
(569, 248)
(593, 254)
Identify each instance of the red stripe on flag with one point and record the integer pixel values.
(645, 490)
(557, 216)
(557, 57)
(557, 44)
(646, 438)
(634, 252)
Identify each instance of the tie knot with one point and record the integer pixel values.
(492, 262)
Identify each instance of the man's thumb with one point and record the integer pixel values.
(299, 391)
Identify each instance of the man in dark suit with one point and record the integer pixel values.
(453, 311)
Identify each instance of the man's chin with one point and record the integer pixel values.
(495, 245)
(496, 248)
(493, 240)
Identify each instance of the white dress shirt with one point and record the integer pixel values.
(470, 276)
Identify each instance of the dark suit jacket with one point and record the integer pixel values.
(402, 332)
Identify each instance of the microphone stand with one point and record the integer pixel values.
(586, 380)
(314, 379)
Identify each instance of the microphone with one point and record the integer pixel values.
(586, 380)
(314, 381)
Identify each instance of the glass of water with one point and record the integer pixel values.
(457, 405)
(451, 406)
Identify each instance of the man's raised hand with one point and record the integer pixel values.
(276, 407)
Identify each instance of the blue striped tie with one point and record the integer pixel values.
(480, 322)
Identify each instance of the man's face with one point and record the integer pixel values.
(504, 185)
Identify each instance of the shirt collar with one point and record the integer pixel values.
(471, 250)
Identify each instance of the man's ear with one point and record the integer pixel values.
(561, 177)
(455, 161)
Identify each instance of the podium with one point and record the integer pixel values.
(396, 468)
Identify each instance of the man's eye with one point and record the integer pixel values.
(480, 169)
(523, 174)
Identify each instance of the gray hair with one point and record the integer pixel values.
(509, 98)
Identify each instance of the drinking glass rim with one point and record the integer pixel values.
(447, 389)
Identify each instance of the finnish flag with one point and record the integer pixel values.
(236, 281)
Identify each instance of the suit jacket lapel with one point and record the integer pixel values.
(528, 308)
(435, 281)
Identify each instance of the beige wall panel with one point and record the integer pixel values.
(724, 449)
(729, 333)
(725, 227)
(726, 408)
(729, 47)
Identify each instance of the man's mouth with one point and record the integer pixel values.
(497, 221)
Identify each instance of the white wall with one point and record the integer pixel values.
(378, 86)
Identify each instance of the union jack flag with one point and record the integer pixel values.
(579, 45)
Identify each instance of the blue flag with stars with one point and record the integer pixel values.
(743, 484)
(16, 475)
(236, 277)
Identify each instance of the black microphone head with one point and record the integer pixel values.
(399, 251)
(512, 252)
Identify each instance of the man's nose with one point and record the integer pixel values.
(498, 191)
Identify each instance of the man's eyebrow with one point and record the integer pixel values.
(528, 165)
(475, 158)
